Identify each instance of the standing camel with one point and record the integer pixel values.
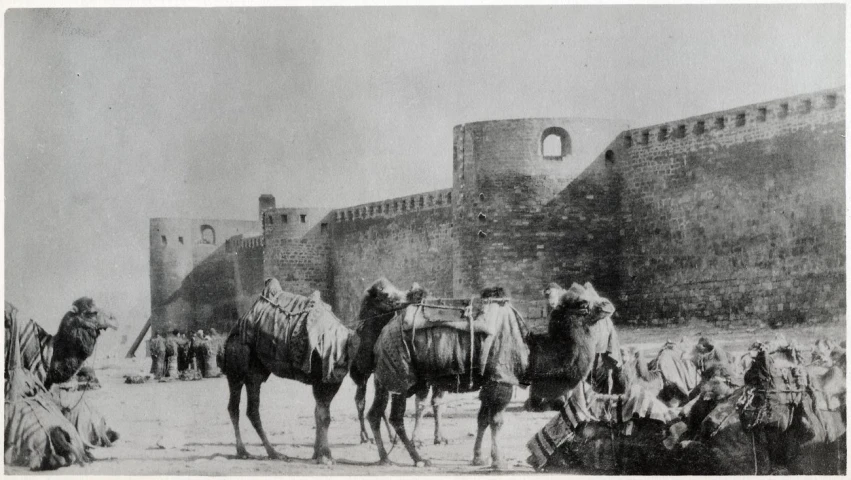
(381, 302)
(296, 338)
(501, 359)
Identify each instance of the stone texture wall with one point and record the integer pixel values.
(525, 218)
(405, 240)
(732, 217)
(297, 249)
(737, 216)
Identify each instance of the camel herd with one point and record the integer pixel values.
(693, 409)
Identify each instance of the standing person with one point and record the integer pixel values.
(157, 356)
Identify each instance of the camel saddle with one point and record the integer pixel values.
(466, 318)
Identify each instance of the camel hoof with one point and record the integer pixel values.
(385, 461)
(479, 462)
(499, 465)
(243, 455)
(278, 456)
(441, 441)
(364, 438)
(325, 460)
(423, 463)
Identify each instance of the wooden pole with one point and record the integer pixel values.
(132, 352)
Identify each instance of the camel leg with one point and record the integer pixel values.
(252, 386)
(360, 403)
(397, 419)
(235, 386)
(376, 413)
(483, 422)
(437, 406)
(420, 398)
(323, 393)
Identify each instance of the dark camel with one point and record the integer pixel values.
(577, 309)
(75, 341)
(380, 303)
(245, 367)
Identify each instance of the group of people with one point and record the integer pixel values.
(177, 355)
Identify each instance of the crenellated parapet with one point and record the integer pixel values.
(396, 206)
(745, 123)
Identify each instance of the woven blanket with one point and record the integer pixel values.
(404, 356)
(285, 329)
(585, 406)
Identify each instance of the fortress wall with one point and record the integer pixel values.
(737, 216)
(525, 218)
(297, 246)
(247, 255)
(192, 277)
(404, 239)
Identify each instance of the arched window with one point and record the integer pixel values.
(555, 143)
(208, 235)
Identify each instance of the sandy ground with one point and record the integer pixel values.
(182, 428)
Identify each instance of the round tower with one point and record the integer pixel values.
(535, 201)
(171, 260)
(297, 249)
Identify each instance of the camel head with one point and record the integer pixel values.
(416, 294)
(84, 313)
(553, 294)
(584, 304)
(383, 296)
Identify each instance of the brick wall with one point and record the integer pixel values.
(297, 248)
(524, 218)
(405, 240)
(737, 216)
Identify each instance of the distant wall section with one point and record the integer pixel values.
(404, 239)
(191, 275)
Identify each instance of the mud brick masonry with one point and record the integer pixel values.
(734, 217)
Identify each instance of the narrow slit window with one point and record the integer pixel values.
(180, 240)
(271, 220)
(784, 110)
(645, 137)
(323, 228)
(806, 106)
(740, 119)
(162, 237)
(719, 123)
(627, 140)
(681, 131)
(303, 218)
(762, 114)
(663, 133)
(700, 127)
(284, 219)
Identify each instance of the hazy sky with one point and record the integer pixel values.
(114, 116)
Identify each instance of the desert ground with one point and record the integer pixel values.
(182, 428)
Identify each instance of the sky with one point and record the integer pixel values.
(116, 116)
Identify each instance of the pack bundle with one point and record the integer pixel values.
(480, 341)
(286, 329)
